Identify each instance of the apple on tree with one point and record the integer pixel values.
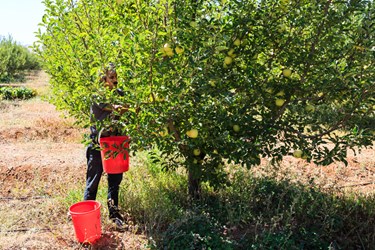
(164, 132)
(287, 72)
(297, 153)
(280, 93)
(167, 50)
(237, 42)
(228, 60)
(197, 152)
(236, 128)
(193, 133)
(310, 108)
(279, 102)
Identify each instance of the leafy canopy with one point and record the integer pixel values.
(253, 78)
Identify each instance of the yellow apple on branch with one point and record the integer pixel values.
(193, 133)
(287, 72)
(297, 153)
(280, 93)
(270, 90)
(167, 50)
(197, 152)
(193, 24)
(228, 60)
(279, 102)
(310, 108)
(237, 42)
(164, 132)
(230, 52)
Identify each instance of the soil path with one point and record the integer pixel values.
(37, 144)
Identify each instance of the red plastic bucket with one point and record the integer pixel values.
(115, 155)
(86, 220)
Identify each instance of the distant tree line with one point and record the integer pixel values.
(15, 60)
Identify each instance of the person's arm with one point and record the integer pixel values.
(113, 107)
(120, 109)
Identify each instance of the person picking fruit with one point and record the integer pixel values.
(100, 112)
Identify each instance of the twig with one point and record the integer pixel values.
(360, 239)
(12, 85)
(24, 198)
(358, 184)
(25, 230)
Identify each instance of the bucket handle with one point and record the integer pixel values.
(99, 135)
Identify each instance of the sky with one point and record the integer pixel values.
(20, 18)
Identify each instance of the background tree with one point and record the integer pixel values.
(211, 82)
(15, 59)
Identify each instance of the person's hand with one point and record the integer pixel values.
(120, 109)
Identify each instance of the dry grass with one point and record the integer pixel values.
(37, 80)
(358, 176)
(42, 158)
(35, 120)
(41, 222)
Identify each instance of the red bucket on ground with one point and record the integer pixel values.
(86, 221)
(115, 155)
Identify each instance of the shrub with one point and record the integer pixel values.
(12, 93)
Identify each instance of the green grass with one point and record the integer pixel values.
(251, 213)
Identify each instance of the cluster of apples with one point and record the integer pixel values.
(193, 133)
(280, 100)
(167, 50)
(230, 55)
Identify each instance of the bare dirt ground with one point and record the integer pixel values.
(41, 155)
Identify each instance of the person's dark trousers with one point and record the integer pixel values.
(93, 175)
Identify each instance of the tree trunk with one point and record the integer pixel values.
(194, 185)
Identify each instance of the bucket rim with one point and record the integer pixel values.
(114, 138)
(80, 203)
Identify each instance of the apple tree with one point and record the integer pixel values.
(217, 81)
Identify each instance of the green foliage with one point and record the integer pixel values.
(154, 197)
(286, 214)
(14, 59)
(250, 213)
(12, 93)
(196, 232)
(210, 65)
